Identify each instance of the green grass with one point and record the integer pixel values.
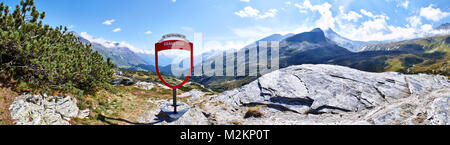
(127, 102)
(394, 65)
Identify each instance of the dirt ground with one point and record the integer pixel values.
(6, 98)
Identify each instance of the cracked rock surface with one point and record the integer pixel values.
(304, 94)
(45, 110)
(328, 94)
(331, 89)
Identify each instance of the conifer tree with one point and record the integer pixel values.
(47, 58)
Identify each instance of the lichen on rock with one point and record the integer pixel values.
(31, 109)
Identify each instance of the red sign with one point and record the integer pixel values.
(176, 45)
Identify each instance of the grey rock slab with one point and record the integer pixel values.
(193, 93)
(330, 89)
(43, 110)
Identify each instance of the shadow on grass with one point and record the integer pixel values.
(106, 120)
(159, 118)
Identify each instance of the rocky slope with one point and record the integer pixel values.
(324, 94)
(303, 94)
(418, 45)
(45, 110)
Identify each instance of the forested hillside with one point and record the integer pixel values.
(423, 55)
(37, 57)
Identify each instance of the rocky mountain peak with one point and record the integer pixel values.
(314, 36)
(317, 30)
(445, 26)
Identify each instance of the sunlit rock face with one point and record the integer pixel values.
(328, 94)
(45, 110)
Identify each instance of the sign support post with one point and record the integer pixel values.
(175, 101)
(174, 45)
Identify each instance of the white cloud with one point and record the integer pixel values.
(326, 20)
(271, 13)
(403, 4)
(70, 27)
(288, 3)
(248, 11)
(426, 27)
(116, 30)
(350, 16)
(245, 1)
(148, 32)
(374, 26)
(377, 29)
(109, 22)
(414, 21)
(434, 14)
(174, 0)
(369, 14)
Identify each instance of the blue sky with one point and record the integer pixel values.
(235, 23)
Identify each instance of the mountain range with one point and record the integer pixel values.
(121, 56)
(425, 55)
(314, 47)
(124, 57)
(445, 26)
(303, 48)
(422, 55)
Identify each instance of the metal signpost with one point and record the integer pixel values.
(162, 45)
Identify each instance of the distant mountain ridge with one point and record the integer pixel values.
(351, 45)
(314, 36)
(268, 39)
(314, 47)
(445, 26)
(304, 48)
(308, 47)
(422, 55)
(122, 56)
